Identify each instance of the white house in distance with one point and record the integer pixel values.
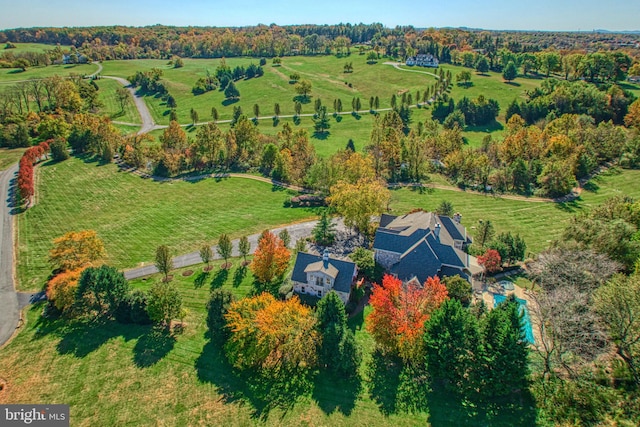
(317, 275)
(423, 60)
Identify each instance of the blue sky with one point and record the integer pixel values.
(490, 14)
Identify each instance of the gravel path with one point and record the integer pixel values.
(9, 308)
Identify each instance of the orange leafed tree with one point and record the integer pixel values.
(271, 334)
(62, 289)
(76, 249)
(270, 259)
(400, 312)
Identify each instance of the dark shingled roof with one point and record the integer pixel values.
(420, 262)
(345, 270)
(422, 254)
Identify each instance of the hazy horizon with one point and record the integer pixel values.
(546, 15)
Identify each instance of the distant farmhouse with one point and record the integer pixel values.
(423, 60)
(423, 244)
(317, 275)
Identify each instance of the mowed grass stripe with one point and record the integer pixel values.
(111, 106)
(133, 216)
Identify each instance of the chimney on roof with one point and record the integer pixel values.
(436, 231)
(325, 258)
(457, 217)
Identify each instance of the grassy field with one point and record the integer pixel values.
(328, 81)
(113, 374)
(326, 74)
(9, 156)
(133, 216)
(537, 223)
(111, 106)
(13, 75)
(29, 47)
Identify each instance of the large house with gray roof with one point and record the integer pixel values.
(317, 275)
(423, 244)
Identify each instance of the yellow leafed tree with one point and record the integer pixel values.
(76, 249)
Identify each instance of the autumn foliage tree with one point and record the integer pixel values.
(271, 258)
(26, 189)
(400, 312)
(271, 335)
(61, 289)
(490, 261)
(76, 249)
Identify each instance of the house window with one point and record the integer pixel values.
(327, 281)
(319, 294)
(302, 290)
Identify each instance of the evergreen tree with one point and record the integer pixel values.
(321, 122)
(510, 71)
(504, 352)
(451, 342)
(338, 350)
(231, 92)
(323, 232)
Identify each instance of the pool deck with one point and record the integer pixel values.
(486, 291)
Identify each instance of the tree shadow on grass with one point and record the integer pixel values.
(262, 394)
(447, 409)
(570, 207)
(384, 374)
(220, 278)
(200, 279)
(81, 337)
(395, 386)
(335, 393)
(321, 135)
(239, 275)
(153, 346)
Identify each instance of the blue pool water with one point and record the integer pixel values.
(497, 299)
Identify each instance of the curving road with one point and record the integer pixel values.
(9, 308)
(145, 115)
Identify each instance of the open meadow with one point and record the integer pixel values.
(134, 215)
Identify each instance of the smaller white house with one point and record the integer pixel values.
(317, 275)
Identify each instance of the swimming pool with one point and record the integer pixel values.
(528, 331)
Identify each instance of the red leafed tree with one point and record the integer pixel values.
(270, 259)
(25, 172)
(491, 261)
(400, 312)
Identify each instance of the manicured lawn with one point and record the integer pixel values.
(114, 374)
(492, 85)
(325, 73)
(537, 223)
(12, 75)
(111, 106)
(9, 156)
(328, 81)
(133, 216)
